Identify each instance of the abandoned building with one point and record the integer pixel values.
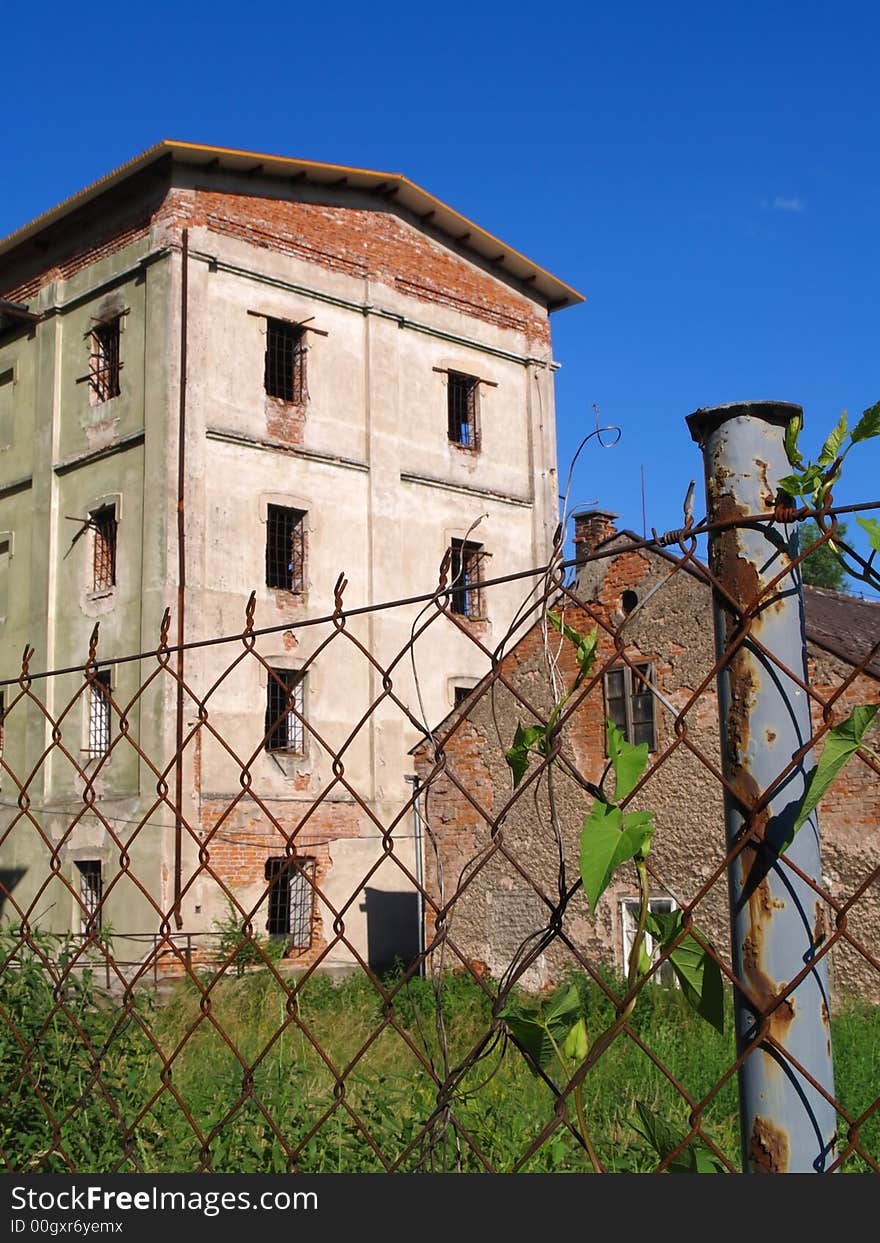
(223, 372)
(663, 613)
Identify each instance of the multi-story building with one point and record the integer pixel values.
(223, 372)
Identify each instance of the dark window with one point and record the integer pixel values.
(461, 694)
(290, 900)
(104, 364)
(462, 409)
(465, 572)
(284, 711)
(91, 890)
(104, 560)
(628, 601)
(285, 548)
(630, 703)
(285, 361)
(99, 715)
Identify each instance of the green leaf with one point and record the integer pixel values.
(569, 631)
(834, 443)
(841, 744)
(664, 1137)
(792, 432)
(628, 762)
(868, 425)
(524, 740)
(543, 1029)
(872, 526)
(585, 645)
(607, 840)
(696, 970)
(804, 484)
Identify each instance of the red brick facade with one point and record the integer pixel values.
(673, 631)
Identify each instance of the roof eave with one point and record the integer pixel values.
(434, 213)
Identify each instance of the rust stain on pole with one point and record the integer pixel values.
(786, 1122)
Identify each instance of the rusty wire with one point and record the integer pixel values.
(474, 829)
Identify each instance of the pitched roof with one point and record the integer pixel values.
(847, 626)
(443, 219)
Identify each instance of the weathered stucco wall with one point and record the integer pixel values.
(391, 310)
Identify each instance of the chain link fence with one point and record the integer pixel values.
(352, 942)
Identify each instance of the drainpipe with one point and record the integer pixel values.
(420, 871)
(181, 583)
(777, 918)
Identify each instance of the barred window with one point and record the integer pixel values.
(285, 361)
(104, 360)
(103, 524)
(466, 573)
(629, 910)
(461, 397)
(91, 891)
(630, 704)
(99, 715)
(291, 900)
(285, 701)
(285, 548)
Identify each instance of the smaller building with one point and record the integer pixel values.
(656, 652)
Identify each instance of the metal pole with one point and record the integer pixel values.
(777, 918)
(420, 871)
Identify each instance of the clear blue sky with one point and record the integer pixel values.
(707, 175)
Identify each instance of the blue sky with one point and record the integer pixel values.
(707, 175)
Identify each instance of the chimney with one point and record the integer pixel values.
(590, 529)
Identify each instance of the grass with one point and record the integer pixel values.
(238, 1081)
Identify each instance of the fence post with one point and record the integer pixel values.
(777, 916)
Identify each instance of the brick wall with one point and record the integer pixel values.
(357, 242)
(674, 631)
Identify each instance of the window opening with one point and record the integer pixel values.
(284, 711)
(285, 548)
(285, 361)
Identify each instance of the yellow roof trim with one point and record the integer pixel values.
(443, 217)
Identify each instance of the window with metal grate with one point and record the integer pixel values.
(285, 711)
(285, 548)
(461, 399)
(291, 900)
(104, 360)
(285, 375)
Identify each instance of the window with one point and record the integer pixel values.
(99, 715)
(465, 571)
(290, 900)
(91, 890)
(461, 693)
(629, 911)
(285, 548)
(104, 363)
(630, 703)
(284, 711)
(461, 393)
(103, 523)
(285, 361)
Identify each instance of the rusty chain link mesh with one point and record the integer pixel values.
(108, 1020)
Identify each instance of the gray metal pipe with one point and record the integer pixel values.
(777, 919)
